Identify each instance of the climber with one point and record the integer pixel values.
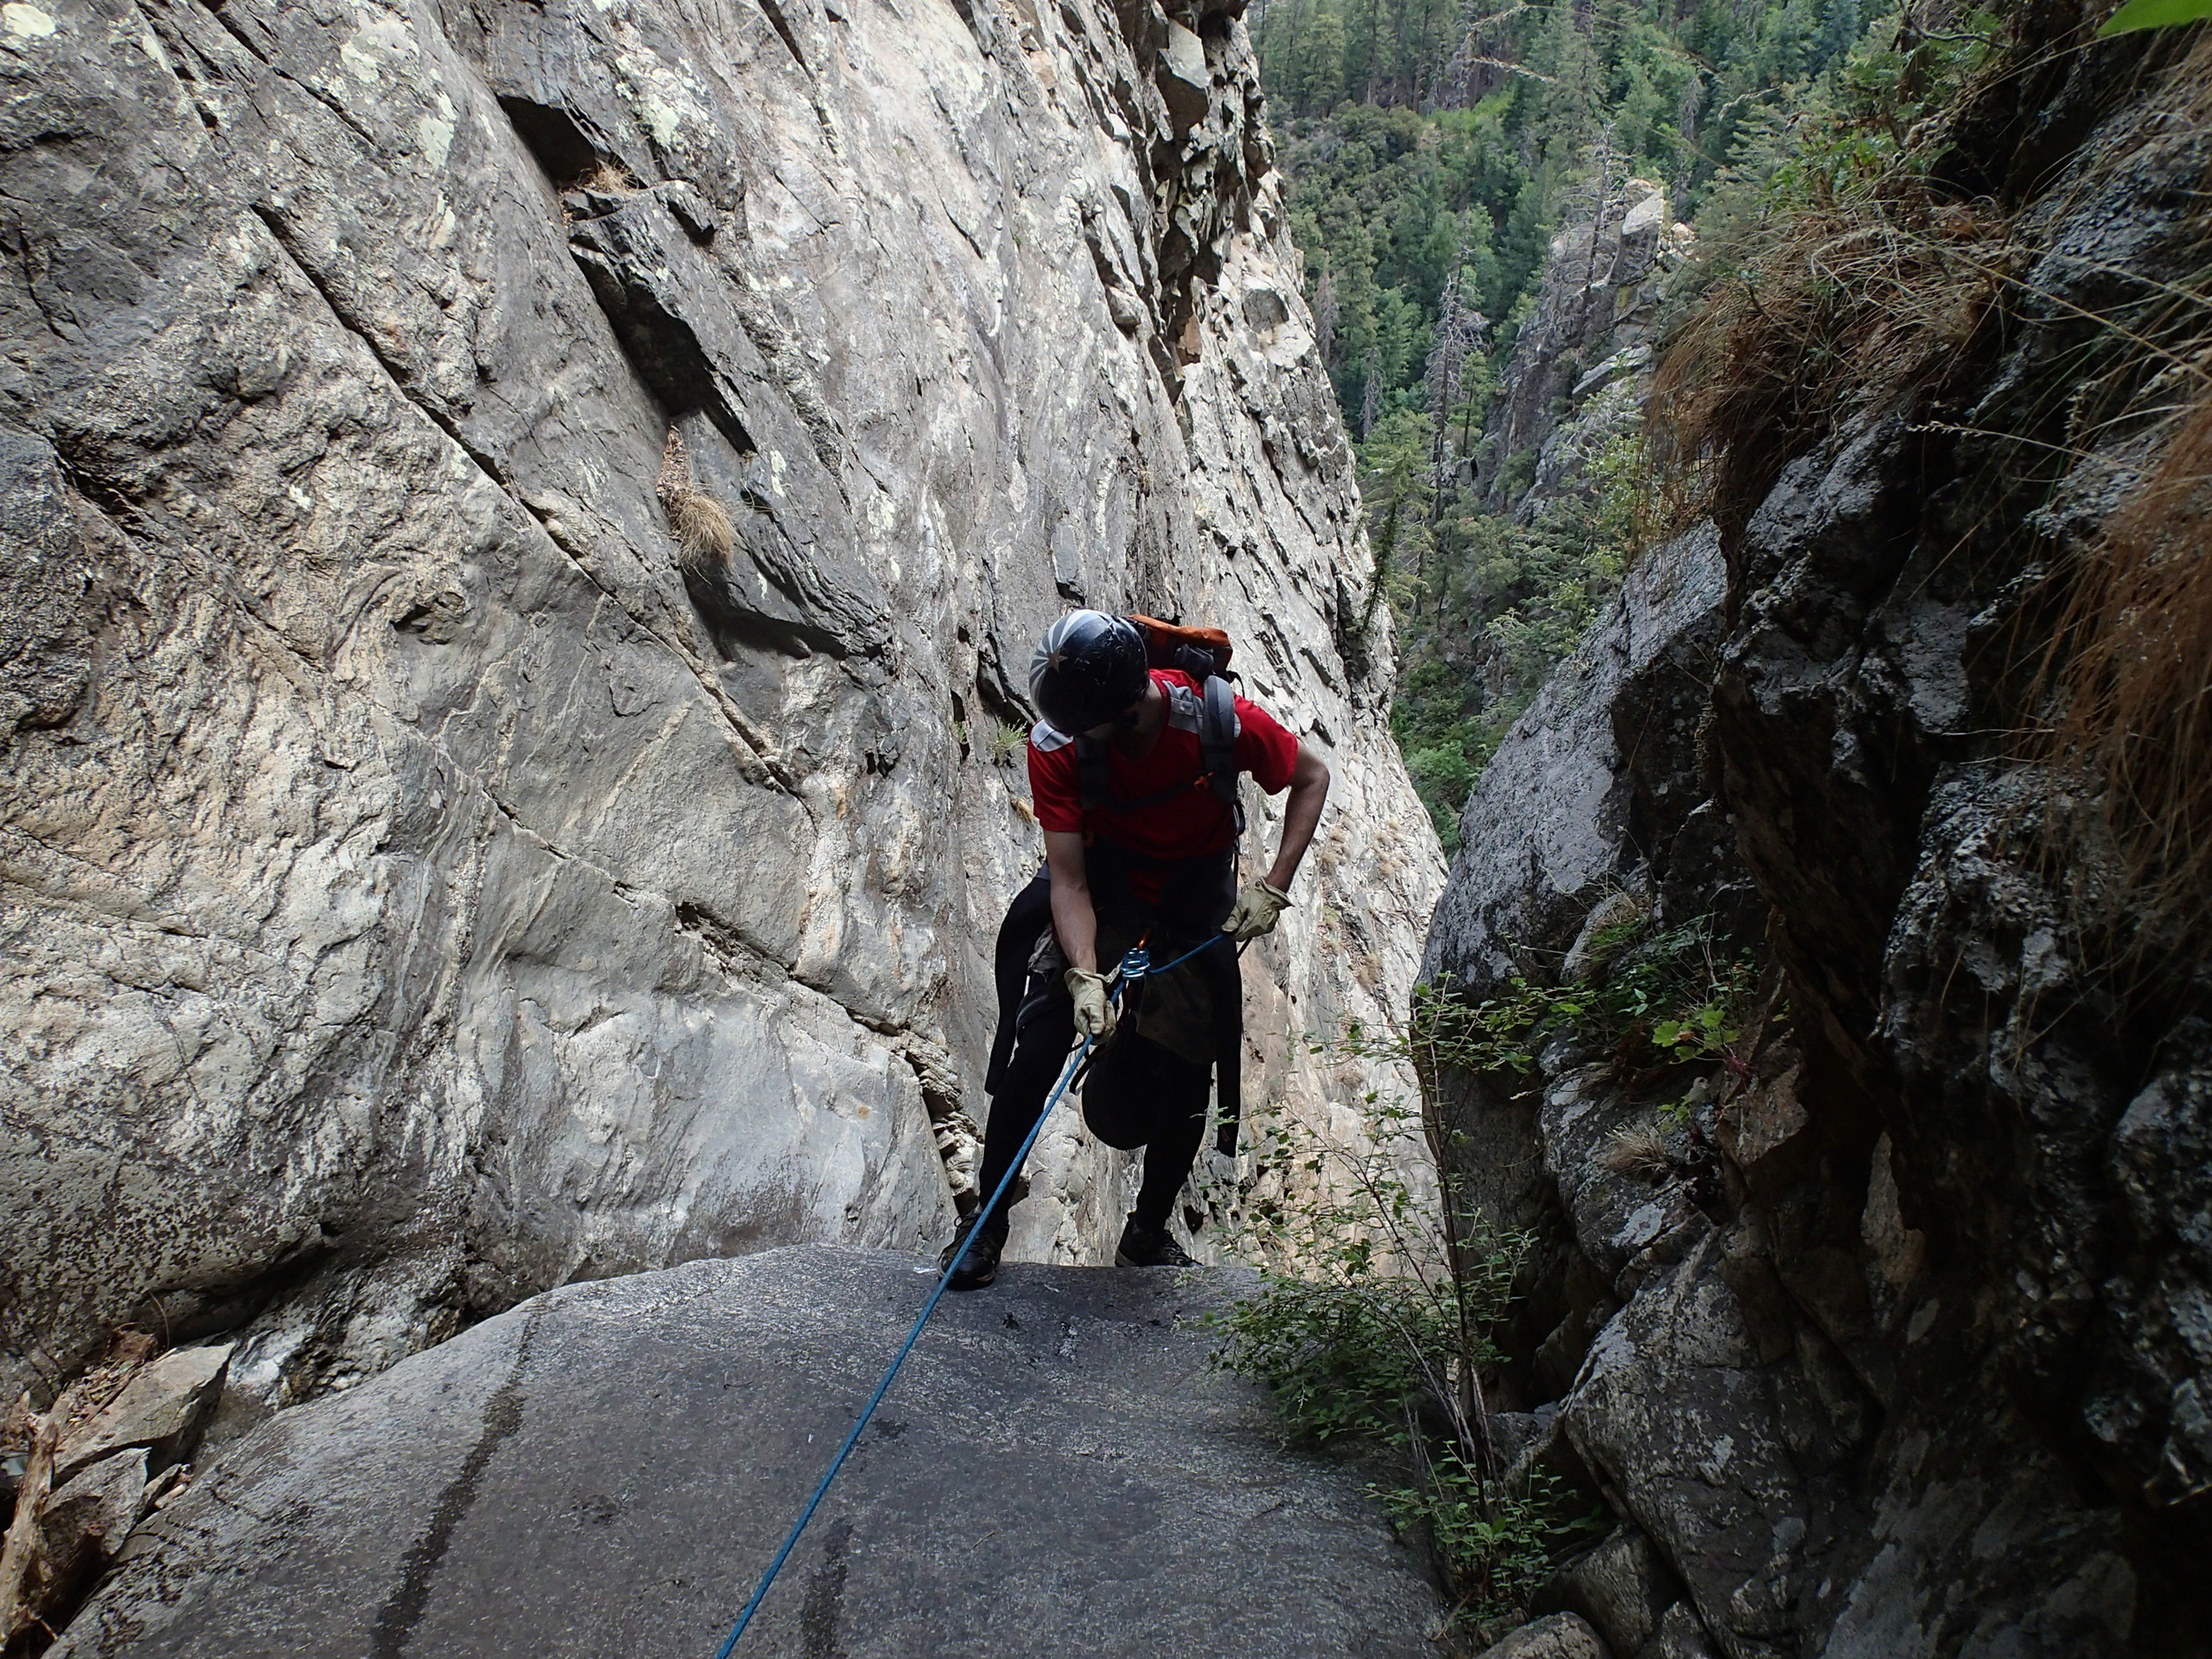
(1132, 772)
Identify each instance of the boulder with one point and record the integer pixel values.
(1680, 1636)
(83, 1523)
(1561, 1636)
(608, 1468)
(1693, 1405)
(1623, 1587)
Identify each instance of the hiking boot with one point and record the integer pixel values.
(981, 1266)
(1149, 1246)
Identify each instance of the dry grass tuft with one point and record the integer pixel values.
(1639, 1149)
(609, 178)
(1854, 307)
(1859, 305)
(2132, 667)
(704, 534)
(2128, 668)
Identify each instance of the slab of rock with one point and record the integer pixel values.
(83, 1524)
(609, 1468)
(1622, 1586)
(1545, 838)
(163, 1408)
(1583, 790)
(1561, 1636)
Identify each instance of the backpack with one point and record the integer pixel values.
(1203, 654)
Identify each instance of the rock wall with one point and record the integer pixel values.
(424, 879)
(1886, 1336)
(1582, 359)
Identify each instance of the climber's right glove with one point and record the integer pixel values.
(1255, 910)
(1093, 1010)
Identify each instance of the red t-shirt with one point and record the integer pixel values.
(1188, 826)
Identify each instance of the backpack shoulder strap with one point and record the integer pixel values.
(1218, 733)
(1095, 780)
(1218, 728)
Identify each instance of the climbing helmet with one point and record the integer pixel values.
(1089, 668)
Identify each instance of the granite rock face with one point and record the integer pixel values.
(1886, 1331)
(1582, 362)
(1562, 823)
(427, 881)
(609, 1467)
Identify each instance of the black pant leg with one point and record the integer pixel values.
(1028, 917)
(1173, 1149)
(1041, 1050)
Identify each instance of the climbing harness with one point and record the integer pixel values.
(1123, 974)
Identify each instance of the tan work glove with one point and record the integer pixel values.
(1094, 1011)
(1255, 910)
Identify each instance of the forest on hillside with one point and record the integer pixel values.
(1433, 149)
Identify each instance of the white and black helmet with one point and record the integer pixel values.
(1088, 667)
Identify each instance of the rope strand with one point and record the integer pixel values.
(821, 1489)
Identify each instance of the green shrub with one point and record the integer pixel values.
(1670, 998)
(1373, 1328)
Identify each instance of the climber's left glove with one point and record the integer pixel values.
(1094, 1009)
(1255, 910)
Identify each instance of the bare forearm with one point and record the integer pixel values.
(1302, 816)
(1074, 919)
(1077, 925)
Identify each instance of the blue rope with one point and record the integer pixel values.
(1067, 1072)
(1187, 955)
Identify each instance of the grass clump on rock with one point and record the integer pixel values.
(704, 533)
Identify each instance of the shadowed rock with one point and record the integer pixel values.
(609, 1468)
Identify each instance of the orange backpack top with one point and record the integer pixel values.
(1202, 653)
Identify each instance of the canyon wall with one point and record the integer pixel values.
(427, 876)
(1877, 1319)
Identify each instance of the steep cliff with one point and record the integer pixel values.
(1877, 1316)
(1580, 369)
(443, 856)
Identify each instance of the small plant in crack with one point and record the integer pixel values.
(1662, 1000)
(1374, 1329)
(704, 533)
